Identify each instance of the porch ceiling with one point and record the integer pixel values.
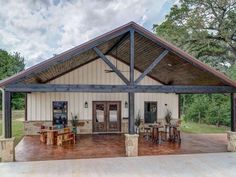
(177, 68)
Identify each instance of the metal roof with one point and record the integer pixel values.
(177, 68)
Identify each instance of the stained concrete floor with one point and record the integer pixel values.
(191, 165)
(113, 145)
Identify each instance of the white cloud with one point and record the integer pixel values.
(39, 29)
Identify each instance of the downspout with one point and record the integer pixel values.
(2, 134)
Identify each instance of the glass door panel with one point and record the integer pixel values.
(99, 122)
(113, 120)
(113, 112)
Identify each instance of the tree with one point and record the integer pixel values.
(204, 28)
(11, 64)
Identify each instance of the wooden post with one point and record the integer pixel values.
(131, 57)
(26, 99)
(131, 94)
(179, 106)
(231, 135)
(233, 112)
(8, 115)
(131, 113)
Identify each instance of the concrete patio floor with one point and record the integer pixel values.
(113, 145)
(191, 165)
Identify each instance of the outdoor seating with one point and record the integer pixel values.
(56, 136)
(157, 133)
(66, 137)
(174, 131)
(161, 132)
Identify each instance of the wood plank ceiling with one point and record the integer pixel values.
(172, 70)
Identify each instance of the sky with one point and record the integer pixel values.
(39, 29)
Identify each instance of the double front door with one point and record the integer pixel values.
(106, 116)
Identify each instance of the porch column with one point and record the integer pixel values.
(131, 113)
(131, 139)
(7, 147)
(131, 94)
(231, 135)
(233, 112)
(7, 115)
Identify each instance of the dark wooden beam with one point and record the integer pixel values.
(109, 63)
(26, 106)
(151, 66)
(8, 115)
(179, 106)
(131, 57)
(131, 98)
(233, 112)
(26, 88)
(131, 95)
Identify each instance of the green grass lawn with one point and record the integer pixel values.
(17, 125)
(191, 127)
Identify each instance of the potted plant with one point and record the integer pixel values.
(168, 117)
(138, 122)
(74, 123)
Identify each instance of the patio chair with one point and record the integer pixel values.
(162, 134)
(147, 133)
(176, 131)
(176, 134)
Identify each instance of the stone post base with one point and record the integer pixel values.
(131, 145)
(231, 136)
(7, 149)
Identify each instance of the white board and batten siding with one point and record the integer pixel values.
(39, 105)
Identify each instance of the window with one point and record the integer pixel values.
(60, 115)
(150, 112)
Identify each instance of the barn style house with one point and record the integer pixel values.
(108, 83)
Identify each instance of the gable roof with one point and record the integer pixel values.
(177, 68)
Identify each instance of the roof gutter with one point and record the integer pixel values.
(2, 134)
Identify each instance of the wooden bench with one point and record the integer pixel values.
(66, 137)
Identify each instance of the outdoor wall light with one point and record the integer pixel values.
(86, 104)
(126, 104)
(165, 104)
